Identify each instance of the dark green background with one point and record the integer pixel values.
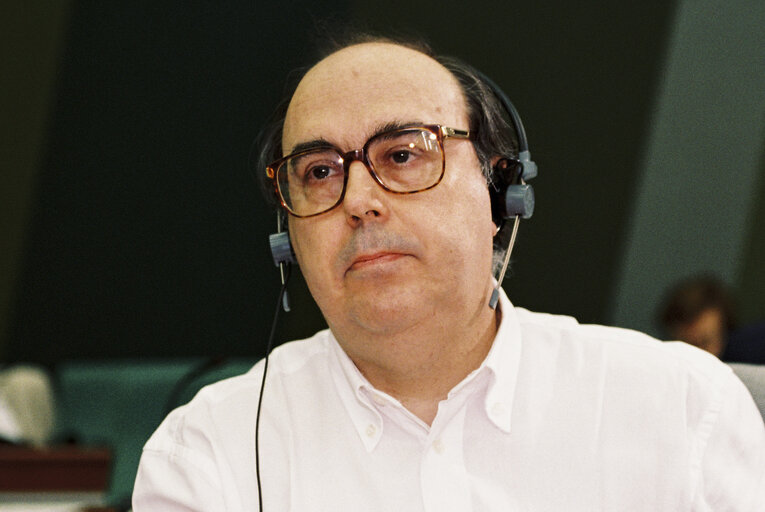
(138, 229)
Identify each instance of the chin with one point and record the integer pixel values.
(390, 310)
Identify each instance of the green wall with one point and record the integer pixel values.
(751, 280)
(700, 171)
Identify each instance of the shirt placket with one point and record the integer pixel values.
(443, 476)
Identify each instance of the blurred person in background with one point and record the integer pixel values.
(701, 311)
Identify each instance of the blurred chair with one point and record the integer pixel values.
(753, 376)
(120, 403)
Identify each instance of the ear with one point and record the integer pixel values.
(494, 187)
(502, 176)
(494, 161)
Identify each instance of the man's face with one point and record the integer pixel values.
(380, 262)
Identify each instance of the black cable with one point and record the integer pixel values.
(269, 346)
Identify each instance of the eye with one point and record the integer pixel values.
(401, 156)
(316, 167)
(319, 172)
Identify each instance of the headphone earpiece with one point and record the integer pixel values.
(510, 195)
(281, 248)
(284, 256)
(519, 201)
(280, 244)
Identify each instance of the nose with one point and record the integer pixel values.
(363, 201)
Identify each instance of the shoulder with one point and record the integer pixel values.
(202, 454)
(233, 400)
(644, 397)
(638, 366)
(565, 332)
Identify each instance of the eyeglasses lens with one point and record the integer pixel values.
(404, 161)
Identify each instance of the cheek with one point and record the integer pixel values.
(311, 254)
(471, 196)
(463, 221)
(316, 246)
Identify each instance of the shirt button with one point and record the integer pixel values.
(378, 400)
(438, 446)
(371, 430)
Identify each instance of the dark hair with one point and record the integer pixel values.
(491, 133)
(691, 297)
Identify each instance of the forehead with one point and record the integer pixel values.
(351, 93)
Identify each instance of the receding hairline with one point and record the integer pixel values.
(370, 45)
(368, 50)
(382, 43)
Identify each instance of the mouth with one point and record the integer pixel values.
(375, 250)
(374, 260)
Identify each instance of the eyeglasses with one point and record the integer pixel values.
(402, 161)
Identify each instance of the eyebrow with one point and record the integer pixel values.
(322, 143)
(311, 144)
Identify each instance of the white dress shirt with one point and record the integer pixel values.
(559, 417)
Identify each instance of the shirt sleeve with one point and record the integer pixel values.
(732, 476)
(173, 484)
(177, 471)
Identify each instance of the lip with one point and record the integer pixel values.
(375, 259)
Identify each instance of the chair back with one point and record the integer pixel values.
(753, 377)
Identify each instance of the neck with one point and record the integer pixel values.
(420, 365)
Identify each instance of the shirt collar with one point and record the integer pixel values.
(503, 362)
(361, 399)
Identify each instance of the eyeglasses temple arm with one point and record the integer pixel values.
(453, 132)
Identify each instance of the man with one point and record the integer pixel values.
(421, 397)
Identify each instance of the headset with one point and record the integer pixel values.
(282, 253)
(510, 195)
